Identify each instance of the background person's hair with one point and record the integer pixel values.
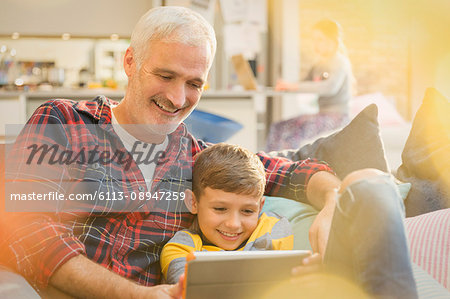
(230, 168)
(171, 24)
(332, 30)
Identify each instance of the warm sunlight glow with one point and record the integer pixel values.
(317, 285)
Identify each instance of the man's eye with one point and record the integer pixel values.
(165, 77)
(196, 85)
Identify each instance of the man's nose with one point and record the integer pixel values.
(177, 94)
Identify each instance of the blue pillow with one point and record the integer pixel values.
(300, 215)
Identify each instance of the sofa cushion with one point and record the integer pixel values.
(426, 156)
(427, 286)
(429, 243)
(426, 153)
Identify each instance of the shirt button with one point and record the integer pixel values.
(96, 166)
(141, 188)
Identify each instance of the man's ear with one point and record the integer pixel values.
(129, 62)
(190, 201)
(261, 203)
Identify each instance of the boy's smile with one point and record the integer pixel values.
(227, 219)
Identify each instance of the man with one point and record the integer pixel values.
(111, 248)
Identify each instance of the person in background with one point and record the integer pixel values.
(331, 78)
(227, 197)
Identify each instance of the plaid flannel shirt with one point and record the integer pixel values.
(128, 242)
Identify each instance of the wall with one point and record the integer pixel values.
(396, 47)
(66, 54)
(430, 54)
(78, 17)
(376, 45)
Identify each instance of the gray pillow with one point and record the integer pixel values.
(427, 151)
(356, 146)
(426, 156)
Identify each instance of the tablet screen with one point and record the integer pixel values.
(238, 274)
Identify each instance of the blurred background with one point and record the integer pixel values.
(74, 49)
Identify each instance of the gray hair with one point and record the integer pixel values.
(171, 24)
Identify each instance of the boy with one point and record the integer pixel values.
(227, 196)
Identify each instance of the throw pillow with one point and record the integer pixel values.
(426, 156)
(427, 151)
(356, 146)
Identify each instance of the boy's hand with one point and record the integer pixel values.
(310, 264)
(180, 285)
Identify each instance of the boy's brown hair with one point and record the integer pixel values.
(230, 168)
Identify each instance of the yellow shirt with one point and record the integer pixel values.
(273, 232)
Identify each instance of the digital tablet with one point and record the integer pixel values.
(238, 274)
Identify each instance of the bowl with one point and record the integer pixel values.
(211, 127)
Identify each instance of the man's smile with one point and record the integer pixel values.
(165, 108)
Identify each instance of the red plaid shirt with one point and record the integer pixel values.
(128, 243)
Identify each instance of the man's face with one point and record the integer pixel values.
(227, 219)
(166, 87)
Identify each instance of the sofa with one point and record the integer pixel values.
(359, 145)
(386, 142)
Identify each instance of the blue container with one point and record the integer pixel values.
(211, 127)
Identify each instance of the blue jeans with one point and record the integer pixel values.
(367, 241)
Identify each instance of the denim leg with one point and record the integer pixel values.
(14, 286)
(367, 240)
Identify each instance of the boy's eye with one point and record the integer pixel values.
(219, 209)
(248, 211)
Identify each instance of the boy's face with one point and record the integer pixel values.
(227, 219)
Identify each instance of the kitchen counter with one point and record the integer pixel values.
(118, 93)
(255, 110)
(17, 106)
